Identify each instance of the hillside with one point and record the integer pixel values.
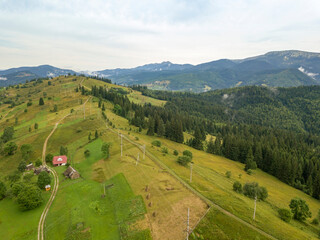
(20, 75)
(154, 189)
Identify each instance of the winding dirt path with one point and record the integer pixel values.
(55, 177)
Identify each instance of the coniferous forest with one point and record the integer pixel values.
(274, 129)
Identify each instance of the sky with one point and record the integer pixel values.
(104, 34)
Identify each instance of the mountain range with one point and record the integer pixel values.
(275, 69)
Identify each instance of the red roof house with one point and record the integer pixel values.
(59, 160)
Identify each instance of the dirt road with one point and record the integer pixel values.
(55, 178)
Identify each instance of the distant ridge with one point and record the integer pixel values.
(287, 68)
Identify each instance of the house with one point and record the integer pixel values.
(71, 173)
(47, 187)
(30, 167)
(40, 169)
(59, 160)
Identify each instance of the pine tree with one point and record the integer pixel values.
(210, 147)
(41, 102)
(150, 131)
(161, 128)
(103, 108)
(250, 164)
(96, 135)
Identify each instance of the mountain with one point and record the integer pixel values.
(21, 74)
(275, 69)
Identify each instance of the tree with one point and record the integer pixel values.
(250, 163)
(36, 126)
(7, 134)
(38, 163)
(150, 131)
(55, 108)
(22, 166)
(103, 107)
(96, 135)
(16, 188)
(105, 149)
(3, 190)
(253, 190)
(29, 197)
(285, 214)
(183, 160)
(26, 151)
(41, 102)
(63, 150)
(89, 136)
(228, 174)
(237, 187)
(175, 152)
(161, 128)
(10, 148)
(49, 157)
(43, 179)
(300, 209)
(210, 146)
(187, 153)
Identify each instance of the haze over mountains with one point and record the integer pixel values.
(275, 69)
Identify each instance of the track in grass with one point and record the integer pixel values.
(56, 181)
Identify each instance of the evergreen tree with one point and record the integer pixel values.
(250, 163)
(41, 102)
(161, 128)
(210, 146)
(96, 135)
(150, 131)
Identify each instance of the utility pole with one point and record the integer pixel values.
(255, 207)
(84, 111)
(121, 144)
(191, 164)
(144, 151)
(137, 160)
(188, 225)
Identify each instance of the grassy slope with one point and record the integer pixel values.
(209, 179)
(208, 176)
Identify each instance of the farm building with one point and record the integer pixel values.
(59, 160)
(71, 173)
(41, 169)
(29, 167)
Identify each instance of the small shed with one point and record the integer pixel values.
(47, 187)
(30, 167)
(59, 160)
(71, 173)
(40, 169)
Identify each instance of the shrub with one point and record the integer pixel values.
(156, 143)
(315, 221)
(300, 209)
(164, 150)
(16, 188)
(187, 153)
(228, 174)
(285, 214)
(237, 187)
(87, 153)
(38, 163)
(183, 160)
(175, 152)
(49, 157)
(3, 190)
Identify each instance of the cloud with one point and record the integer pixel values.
(100, 34)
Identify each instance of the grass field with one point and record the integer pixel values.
(145, 199)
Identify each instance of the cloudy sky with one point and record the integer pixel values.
(100, 34)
